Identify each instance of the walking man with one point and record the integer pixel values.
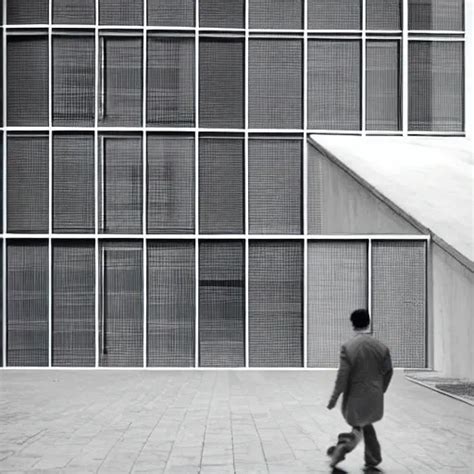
(365, 371)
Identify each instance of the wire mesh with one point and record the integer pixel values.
(276, 14)
(222, 13)
(121, 12)
(74, 12)
(221, 304)
(170, 13)
(73, 299)
(27, 12)
(171, 303)
(334, 14)
(27, 303)
(383, 14)
(447, 15)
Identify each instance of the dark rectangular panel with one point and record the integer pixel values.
(221, 185)
(334, 14)
(27, 303)
(170, 183)
(276, 14)
(222, 13)
(27, 183)
(73, 303)
(275, 185)
(383, 85)
(276, 303)
(384, 14)
(170, 12)
(121, 12)
(441, 15)
(221, 304)
(27, 12)
(334, 84)
(275, 83)
(73, 182)
(170, 81)
(121, 81)
(120, 183)
(435, 86)
(74, 12)
(337, 285)
(171, 303)
(27, 80)
(121, 304)
(221, 83)
(73, 80)
(399, 300)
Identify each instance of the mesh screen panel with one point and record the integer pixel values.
(27, 12)
(444, 15)
(27, 303)
(73, 182)
(170, 12)
(170, 183)
(221, 185)
(121, 81)
(337, 285)
(27, 80)
(221, 13)
(399, 300)
(275, 83)
(73, 80)
(275, 304)
(121, 302)
(73, 312)
(170, 81)
(383, 85)
(221, 304)
(334, 84)
(171, 303)
(121, 12)
(334, 14)
(27, 183)
(120, 183)
(383, 14)
(279, 14)
(275, 186)
(221, 83)
(435, 86)
(74, 12)
(2, 276)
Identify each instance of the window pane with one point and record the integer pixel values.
(27, 80)
(221, 83)
(121, 12)
(73, 303)
(170, 81)
(27, 186)
(120, 183)
(337, 285)
(221, 13)
(276, 304)
(278, 14)
(171, 303)
(73, 182)
(27, 303)
(275, 189)
(334, 14)
(121, 307)
(435, 86)
(23, 12)
(275, 83)
(384, 14)
(170, 183)
(73, 80)
(334, 84)
(383, 85)
(442, 15)
(221, 185)
(121, 81)
(399, 300)
(221, 304)
(74, 12)
(170, 12)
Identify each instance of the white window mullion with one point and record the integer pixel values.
(50, 186)
(144, 188)
(4, 190)
(363, 69)
(405, 68)
(369, 282)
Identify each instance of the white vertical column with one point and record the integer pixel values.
(50, 185)
(405, 68)
(305, 185)
(363, 68)
(369, 282)
(4, 189)
(246, 179)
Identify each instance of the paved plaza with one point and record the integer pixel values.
(214, 421)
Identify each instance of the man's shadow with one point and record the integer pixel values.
(338, 470)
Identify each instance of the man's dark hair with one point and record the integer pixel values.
(360, 318)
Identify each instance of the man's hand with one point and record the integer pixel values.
(331, 404)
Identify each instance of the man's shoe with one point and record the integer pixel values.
(338, 455)
(371, 469)
(330, 450)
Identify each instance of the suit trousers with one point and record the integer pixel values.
(350, 440)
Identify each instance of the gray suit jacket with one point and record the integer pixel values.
(365, 370)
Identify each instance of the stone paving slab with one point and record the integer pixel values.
(214, 422)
